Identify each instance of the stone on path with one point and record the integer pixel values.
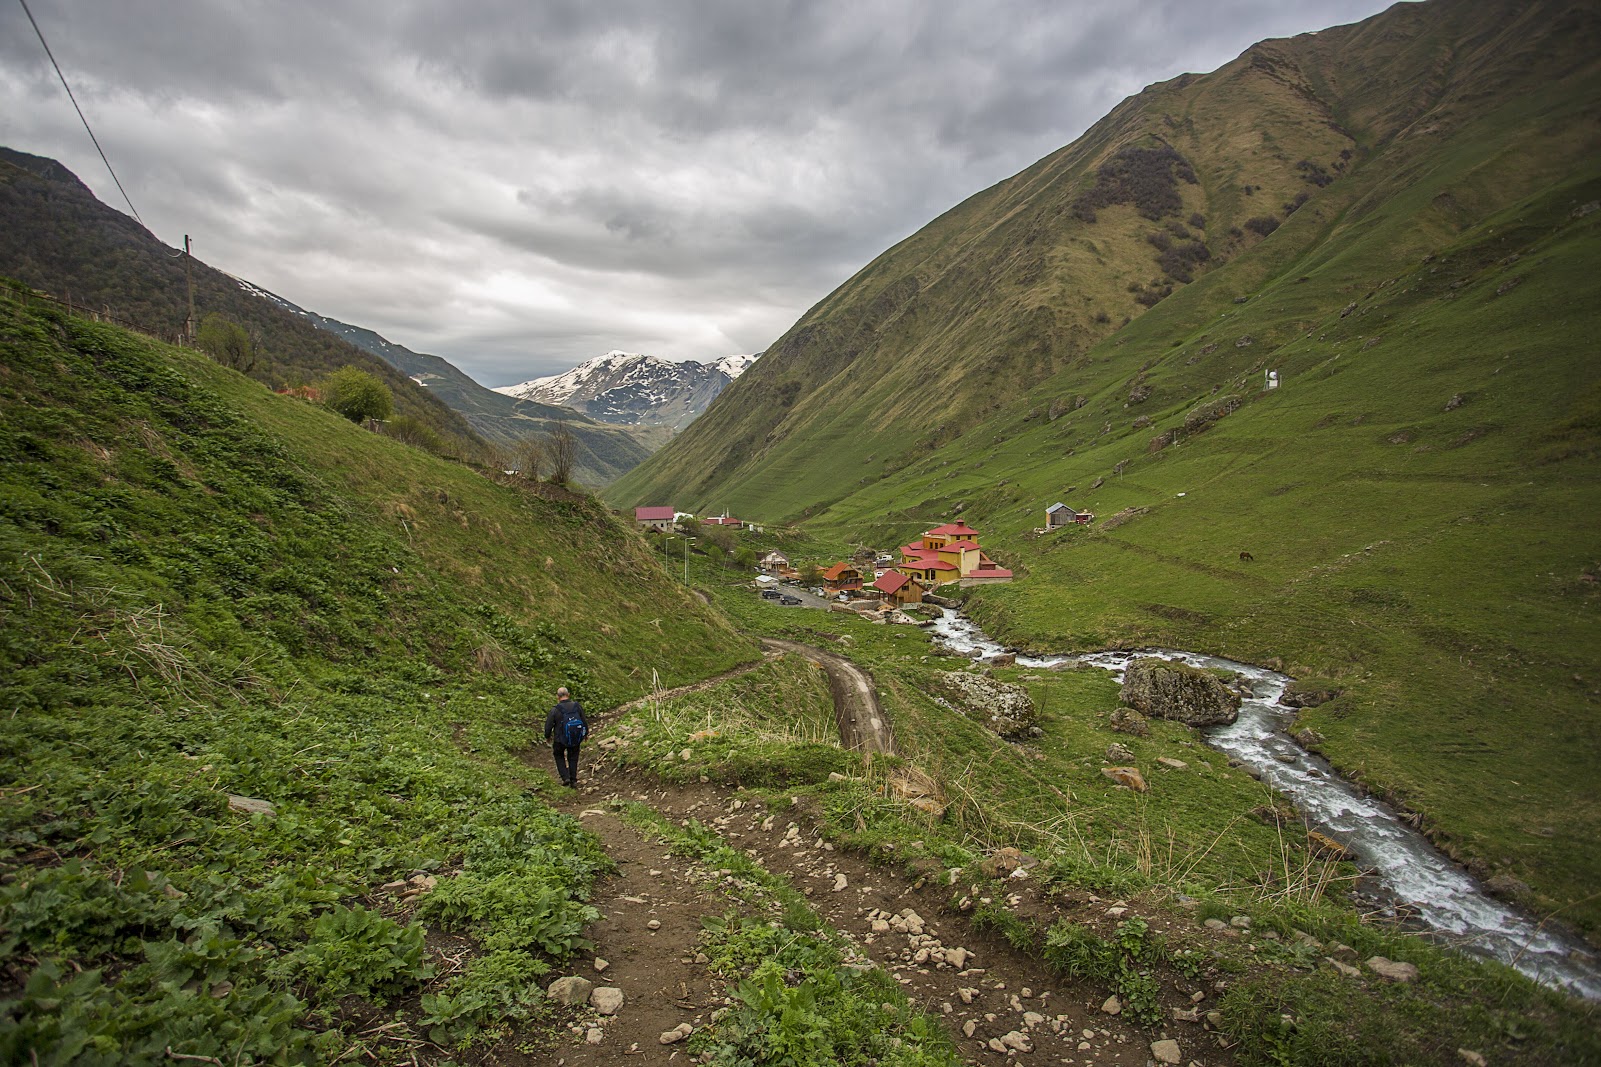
(1112, 1006)
(840, 882)
(600, 964)
(594, 1035)
(1166, 1052)
(606, 999)
(1391, 970)
(571, 991)
(676, 1034)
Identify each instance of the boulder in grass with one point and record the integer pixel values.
(1128, 777)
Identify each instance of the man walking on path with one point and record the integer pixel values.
(566, 726)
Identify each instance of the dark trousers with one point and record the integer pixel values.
(566, 763)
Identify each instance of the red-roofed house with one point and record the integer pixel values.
(949, 553)
(722, 520)
(842, 578)
(896, 588)
(658, 519)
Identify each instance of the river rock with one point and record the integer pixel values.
(1179, 692)
(1129, 777)
(1003, 707)
(1325, 847)
(1392, 970)
(571, 991)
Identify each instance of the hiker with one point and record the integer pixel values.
(566, 726)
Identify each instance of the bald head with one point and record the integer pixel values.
(561, 691)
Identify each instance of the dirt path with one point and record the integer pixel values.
(983, 988)
(862, 723)
(990, 995)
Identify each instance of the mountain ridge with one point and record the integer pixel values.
(634, 389)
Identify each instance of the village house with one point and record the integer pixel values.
(778, 564)
(1059, 514)
(949, 553)
(722, 520)
(658, 519)
(842, 578)
(896, 588)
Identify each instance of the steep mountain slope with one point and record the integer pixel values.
(603, 453)
(263, 669)
(1415, 501)
(636, 390)
(1180, 181)
(55, 236)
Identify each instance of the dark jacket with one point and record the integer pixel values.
(558, 713)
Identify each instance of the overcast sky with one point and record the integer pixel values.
(519, 185)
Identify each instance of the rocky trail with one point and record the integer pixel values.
(998, 1004)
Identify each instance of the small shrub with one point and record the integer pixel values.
(1262, 224)
(353, 950)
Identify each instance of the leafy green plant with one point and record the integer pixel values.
(354, 950)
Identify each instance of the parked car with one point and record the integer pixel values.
(771, 594)
(791, 601)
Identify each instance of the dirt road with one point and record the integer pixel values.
(862, 723)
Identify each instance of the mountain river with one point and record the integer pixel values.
(1411, 871)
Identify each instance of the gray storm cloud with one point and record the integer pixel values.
(518, 187)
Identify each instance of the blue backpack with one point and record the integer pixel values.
(572, 731)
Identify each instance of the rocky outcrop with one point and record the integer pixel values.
(1307, 695)
(1003, 707)
(1179, 692)
(1129, 721)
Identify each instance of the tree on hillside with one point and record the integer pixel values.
(745, 557)
(530, 459)
(357, 395)
(414, 431)
(689, 526)
(811, 574)
(561, 447)
(227, 342)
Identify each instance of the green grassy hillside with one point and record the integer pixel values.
(1418, 496)
(55, 236)
(603, 451)
(209, 592)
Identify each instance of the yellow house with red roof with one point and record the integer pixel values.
(949, 553)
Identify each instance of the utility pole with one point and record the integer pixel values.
(189, 281)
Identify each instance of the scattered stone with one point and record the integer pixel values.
(1392, 970)
(1128, 777)
(840, 882)
(1169, 761)
(676, 1034)
(1119, 753)
(1474, 1059)
(1343, 968)
(1004, 861)
(250, 805)
(969, 1028)
(957, 957)
(594, 1035)
(1129, 721)
(1456, 401)
(1166, 1052)
(1215, 924)
(1307, 695)
(570, 991)
(1240, 922)
(1186, 1015)
(654, 924)
(601, 965)
(608, 1000)
(1016, 1040)
(1112, 1006)
(1032, 1019)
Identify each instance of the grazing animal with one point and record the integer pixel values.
(1246, 557)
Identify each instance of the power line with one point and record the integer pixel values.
(79, 110)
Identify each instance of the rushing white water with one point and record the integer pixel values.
(1412, 871)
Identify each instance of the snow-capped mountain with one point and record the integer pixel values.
(631, 389)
